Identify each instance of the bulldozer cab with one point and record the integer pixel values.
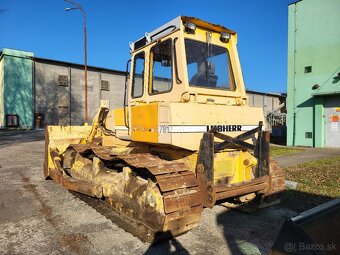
(183, 76)
(186, 60)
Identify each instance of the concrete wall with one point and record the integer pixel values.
(64, 105)
(51, 100)
(2, 96)
(313, 41)
(18, 89)
(116, 93)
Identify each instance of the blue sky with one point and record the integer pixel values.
(43, 27)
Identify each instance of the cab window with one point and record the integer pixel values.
(161, 66)
(208, 66)
(138, 75)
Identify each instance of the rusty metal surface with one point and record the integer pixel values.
(184, 213)
(181, 202)
(183, 221)
(237, 191)
(181, 195)
(178, 186)
(276, 182)
(58, 174)
(81, 148)
(164, 169)
(205, 170)
(261, 152)
(260, 180)
(103, 152)
(77, 185)
(170, 182)
(270, 187)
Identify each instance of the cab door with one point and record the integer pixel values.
(154, 84)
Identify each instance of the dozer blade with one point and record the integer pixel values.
(315, 231)
(58, 138)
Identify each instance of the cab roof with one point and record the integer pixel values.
(173, 25)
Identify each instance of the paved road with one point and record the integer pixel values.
(40, 217)
(306, 155)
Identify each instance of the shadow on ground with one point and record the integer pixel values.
(10, 137)
(252, 233)
(167, 247)
(255, 233)
(244, 233)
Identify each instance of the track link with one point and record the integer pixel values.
(178, 186)
(276, 185)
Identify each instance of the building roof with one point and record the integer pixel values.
(30, 55)
(78, 65)
(326, 93)
(276, 94)
(295, 2)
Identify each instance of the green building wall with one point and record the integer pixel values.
(2, 96)
(16, 87)
(313, 40)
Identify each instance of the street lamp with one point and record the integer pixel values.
(78, 7)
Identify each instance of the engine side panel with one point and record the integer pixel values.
(182, 124)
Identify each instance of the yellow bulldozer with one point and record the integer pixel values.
(184, 139)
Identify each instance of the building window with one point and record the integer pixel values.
(12, 120)
(104, 85)
(63, 80)
(308, 135)
(308, 69)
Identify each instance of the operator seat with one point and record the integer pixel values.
(204, 77)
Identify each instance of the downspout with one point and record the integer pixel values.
(294, 80)
(100, 86)
(33, 93)
(2, 100)
(314, 120)
(70, 95)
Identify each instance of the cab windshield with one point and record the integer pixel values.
(208, 66)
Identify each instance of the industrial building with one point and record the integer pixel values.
(35, 92)
(313, 103)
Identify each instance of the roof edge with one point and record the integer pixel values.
(77, 64)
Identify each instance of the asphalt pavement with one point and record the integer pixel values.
(41, 217)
